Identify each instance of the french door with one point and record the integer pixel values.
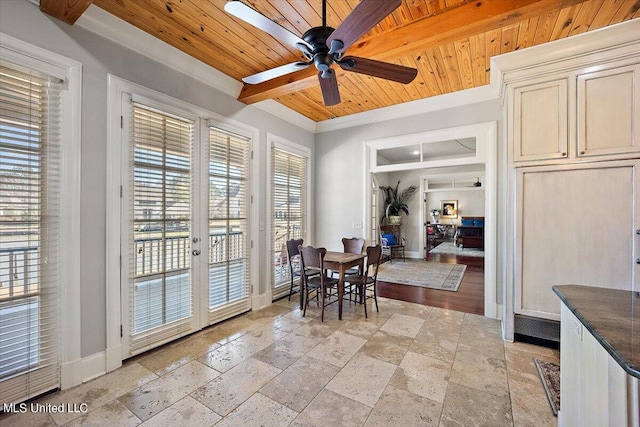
(187, 240)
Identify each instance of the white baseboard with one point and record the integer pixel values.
(113, 358)
(93, 366)
(71, 374)
(87, 368)
(260, 301)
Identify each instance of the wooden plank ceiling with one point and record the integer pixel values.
(450, 42)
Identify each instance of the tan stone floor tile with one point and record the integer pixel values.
(229, 330)
(169, 357)
(112, 413)
(268, 313)
(227, 356)
(363, 328)
(530, 405)
(387, 347)
(401, 324)
(31, 419)
(422, 375)
(259, 410)
(101, 390)
(520, 366)
(363, 379)
(185, 412)
(400, 408)
(316, 329)
(483, 373)
(442, 316)
(287, 350)
(227, 392)
(300, 383)
(466, 406)
(337, 348)
(163, 392)
(437, 345)
(332, 409)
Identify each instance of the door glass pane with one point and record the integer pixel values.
(228, 222)
(161, 199)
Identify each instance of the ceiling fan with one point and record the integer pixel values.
(324, 46)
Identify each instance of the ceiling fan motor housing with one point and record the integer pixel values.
(317, 38)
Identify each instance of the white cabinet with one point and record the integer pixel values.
(574, 224)
(539, 120)
(594, 389)
(608, 105)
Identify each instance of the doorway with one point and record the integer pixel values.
(483, 138)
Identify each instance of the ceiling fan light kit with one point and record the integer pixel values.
(323, 46)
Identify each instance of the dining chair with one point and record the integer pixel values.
(367, 281)
(353, 245)
(293, 257)
(314, 277)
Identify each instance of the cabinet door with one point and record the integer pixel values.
(539, 121)
(575, 225)
(609, 111)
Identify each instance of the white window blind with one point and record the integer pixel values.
(160, 199)
(288, 211)
(30, 163)
(229, 156)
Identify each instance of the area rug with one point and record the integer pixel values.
(451, 249)
(435, 275)
(550, 376)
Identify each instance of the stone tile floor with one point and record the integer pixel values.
(408, 365)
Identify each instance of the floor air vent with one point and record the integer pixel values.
(543, 329)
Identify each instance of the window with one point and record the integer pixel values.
(288, 211)
(30, 171)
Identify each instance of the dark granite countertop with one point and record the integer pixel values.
(613, 318)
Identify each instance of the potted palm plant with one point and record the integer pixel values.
(396, 201)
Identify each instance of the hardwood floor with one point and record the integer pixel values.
(470, 295)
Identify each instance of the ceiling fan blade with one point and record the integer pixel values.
(383, 70)
(329, 87)
(361, 19)
(258, 20)
(275, 72)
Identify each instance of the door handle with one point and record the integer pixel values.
(195, 252)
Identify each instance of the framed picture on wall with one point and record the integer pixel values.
(449, 209)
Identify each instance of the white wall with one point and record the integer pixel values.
(99, 57)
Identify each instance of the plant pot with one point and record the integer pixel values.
(394, 219)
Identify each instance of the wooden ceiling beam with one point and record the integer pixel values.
(469, 19)
(67, 11)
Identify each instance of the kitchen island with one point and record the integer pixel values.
(599, 356)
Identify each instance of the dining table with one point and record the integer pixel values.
(341, 262)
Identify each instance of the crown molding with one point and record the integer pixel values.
(112, 28)
(285, 113)
(573, 52)
(407, 109)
